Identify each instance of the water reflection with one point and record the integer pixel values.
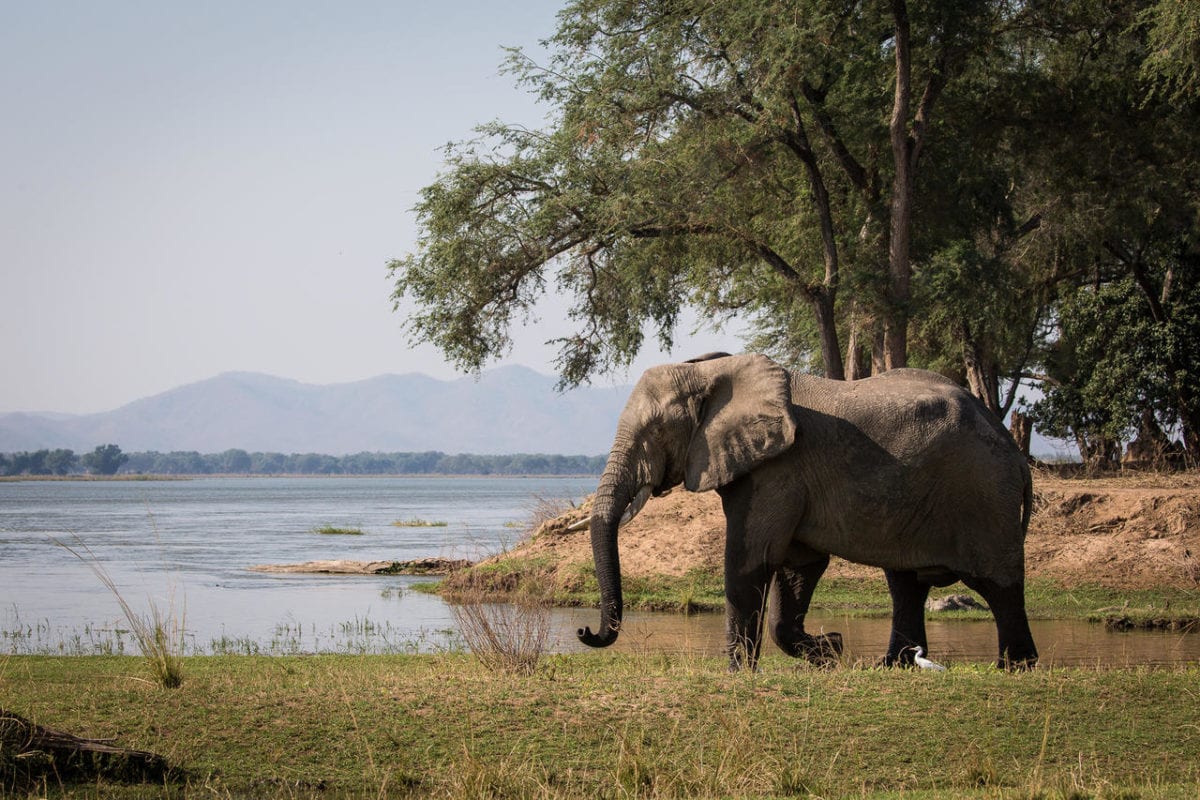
(284, 614)
(1060, 642)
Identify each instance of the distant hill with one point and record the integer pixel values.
(506, 410)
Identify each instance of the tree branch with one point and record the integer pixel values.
(850, 165)
(1137, 267)
(798, 142)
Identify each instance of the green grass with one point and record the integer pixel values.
(608, 726)
(417, 522)
(334, 530)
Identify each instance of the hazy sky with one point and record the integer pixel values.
(191, 188)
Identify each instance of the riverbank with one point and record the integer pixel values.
(600, 725)
(1123, 550)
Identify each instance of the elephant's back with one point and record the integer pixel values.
(926, 458)
(907, 408)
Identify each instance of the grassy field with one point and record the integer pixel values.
(601, 725)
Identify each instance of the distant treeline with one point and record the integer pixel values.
(240, 462)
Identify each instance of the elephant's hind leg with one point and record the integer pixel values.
(908, 616)
(1017, 650)
(791, 593)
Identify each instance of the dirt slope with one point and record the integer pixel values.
(1130, 532)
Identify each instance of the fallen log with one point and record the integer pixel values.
(31, 754)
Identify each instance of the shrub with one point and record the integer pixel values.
(511, 637)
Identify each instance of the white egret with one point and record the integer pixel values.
(925, 663)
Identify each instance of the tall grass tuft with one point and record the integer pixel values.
(159, 633)
(512, 637)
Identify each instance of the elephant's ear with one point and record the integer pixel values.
(746, 418)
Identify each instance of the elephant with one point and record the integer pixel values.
(905, 470)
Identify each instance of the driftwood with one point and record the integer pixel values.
(31, 754)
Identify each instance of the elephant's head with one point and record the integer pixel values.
(702, 423)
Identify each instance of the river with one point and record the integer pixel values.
(185, 548)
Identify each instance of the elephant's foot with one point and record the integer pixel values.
(822, 650)
(743, 653)
(1017, 664)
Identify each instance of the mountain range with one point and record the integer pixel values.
(505, 410)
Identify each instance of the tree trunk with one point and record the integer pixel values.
(39, 754)
(895, 330)
(857, 365)
(831, 354)
(1022, 432)
(822, 296)
(982, 378)
(878, 363)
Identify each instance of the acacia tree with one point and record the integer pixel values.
(868, 184)
(749, 158)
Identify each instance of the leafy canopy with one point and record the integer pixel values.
(728, 156)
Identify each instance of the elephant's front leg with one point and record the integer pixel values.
(757, 531)
(745, 605)
(791, 594)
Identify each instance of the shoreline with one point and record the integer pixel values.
(284, 475)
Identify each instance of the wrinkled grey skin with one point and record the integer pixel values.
(905, 471)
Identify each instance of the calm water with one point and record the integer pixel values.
(193, 541)
(190, 543)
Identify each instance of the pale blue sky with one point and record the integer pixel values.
(190, 188)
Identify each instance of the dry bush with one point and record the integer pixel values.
(556, 513)
(512, 637)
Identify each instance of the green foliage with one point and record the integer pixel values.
(736, 157)
(727, 156)
(423, 463)
(745, 159)
(1172, 64)
(1100, 389)
(106, 459)
(40, 462)
(337, 530)
(1124, 363)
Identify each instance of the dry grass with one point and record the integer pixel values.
(511, 637)
(1129, 478)
(551, 509)
(417, 522)
(159, 633)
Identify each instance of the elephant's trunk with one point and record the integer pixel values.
(618, 486)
